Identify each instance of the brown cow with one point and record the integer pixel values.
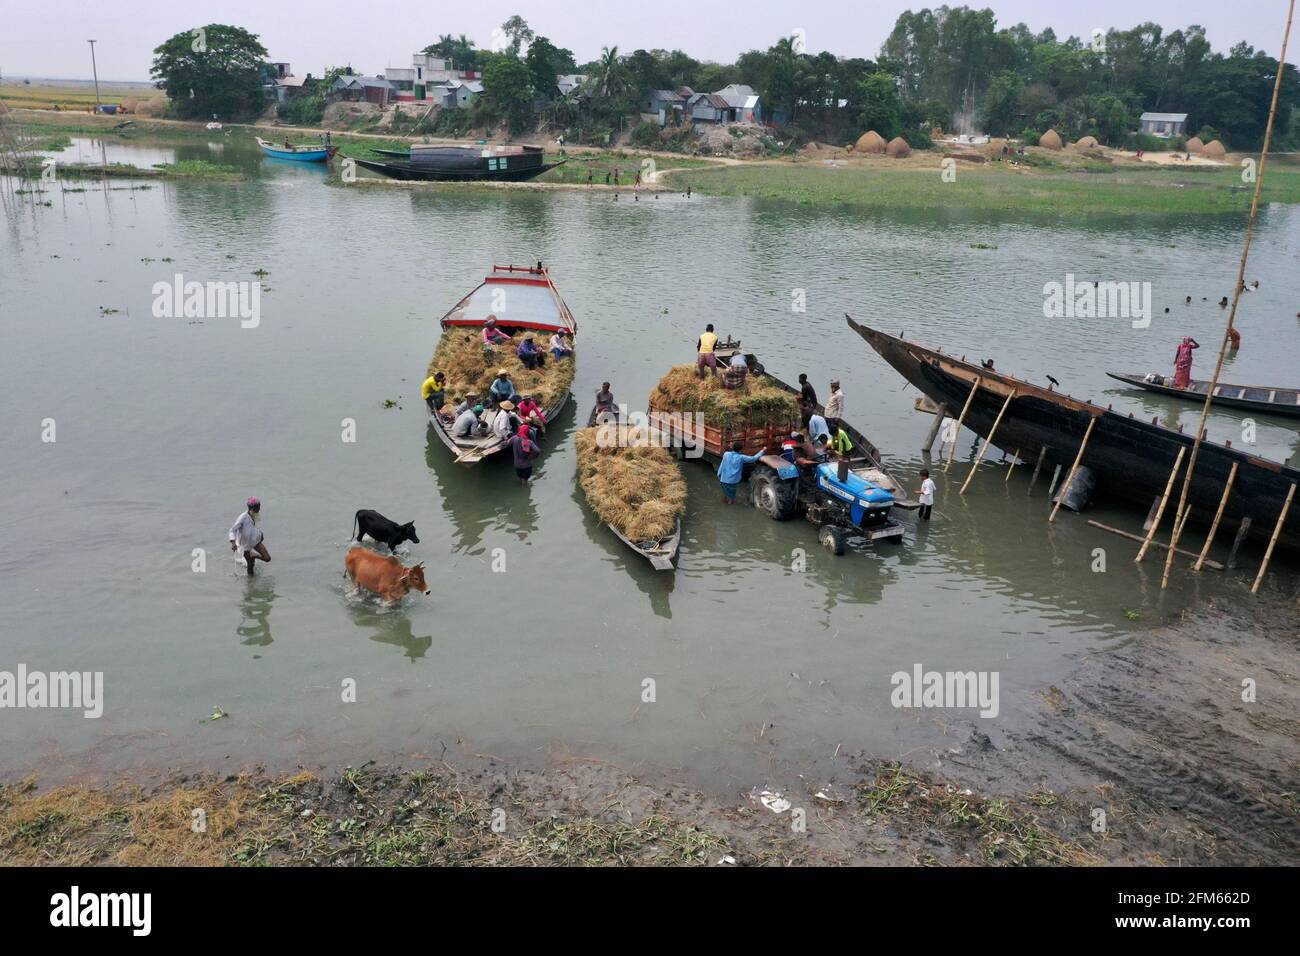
(383, 575)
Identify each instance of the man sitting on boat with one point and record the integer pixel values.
(530, 354)
(434, 391)
(468, 424)
(1183, 362)
(561, 346)
(491, 334)
(818, 428)
(502, 389)
(505, 422)
(530, 412)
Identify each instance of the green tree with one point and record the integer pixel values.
(545, 61)
(213, 69)
(881, 108)
(519, 33)
(1000, 114)
(507, 84)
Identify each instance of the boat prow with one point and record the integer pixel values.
(662, 554)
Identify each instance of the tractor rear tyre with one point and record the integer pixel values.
(832, 538)
(780, 499)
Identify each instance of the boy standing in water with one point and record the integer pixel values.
(926, 495)
(247, 537)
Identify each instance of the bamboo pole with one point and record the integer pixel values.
(1169, 558)
(1218, 516)
(1069, 479)
(1011, 466)
(1243, 529)
(1272, 542)
(1209, 562)
(961, 418)
(1038, 466)
(987, 441)
(939, 416)
(1241, 268)
(1164, 500)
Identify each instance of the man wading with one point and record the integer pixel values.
(246, 536)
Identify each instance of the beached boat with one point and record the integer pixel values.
(1256, 398)
(462, 163)
(657, 498)
(523, 300)
(301, 154)
(1131, 458)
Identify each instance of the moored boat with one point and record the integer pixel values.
(302, 154)
(1131, 458)
(635, 487)
(521, 300)
(462, 163)
(1256, 398)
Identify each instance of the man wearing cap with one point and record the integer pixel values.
(491, 334)
(505, 423)
(247, 537)
(468, 424)
(502, 388)
(835, 404)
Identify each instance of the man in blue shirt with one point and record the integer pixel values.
(732, 470)
(502, 389)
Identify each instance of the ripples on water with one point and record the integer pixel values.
(165, 427)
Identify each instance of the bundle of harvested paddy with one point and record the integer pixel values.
(1087, 142)
(1213, 150)
(869, 142)
(470, 366)
(758, 402)
(636, 487)
(898, 148)
(1194, 145)
(1050, 140)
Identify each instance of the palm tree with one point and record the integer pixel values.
(610, 78)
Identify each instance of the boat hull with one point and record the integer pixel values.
(300, 155)
(663, 555)
(1131, 457)
(414, 172)
(1255, 398)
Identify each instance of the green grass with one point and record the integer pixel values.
(579, 162)
(1123, 190)
(198, 169)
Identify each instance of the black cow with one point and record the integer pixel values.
(391, 533)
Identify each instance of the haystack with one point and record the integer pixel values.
(636, 487)
(1087, 142)
(1050, 140)
(898, 148)
(869, 142)
(993, 148)
(1194, 145)
(1213, 150)
(470, 366)
(758, 403)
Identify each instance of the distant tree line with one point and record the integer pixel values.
(947, 67)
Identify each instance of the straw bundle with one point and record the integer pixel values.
(898, 148)
(1194, 145)
(1214, 150)
(470, 366)
(1087, 142)
(758, 402)
(637, 488)
(1050, 140)
(870, 142)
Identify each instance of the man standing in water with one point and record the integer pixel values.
(731, 471)
(247, 537)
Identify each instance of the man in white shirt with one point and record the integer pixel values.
(247, 537)
(835, 404)
(503, 424)
(926, 495)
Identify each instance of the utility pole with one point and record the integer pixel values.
(95, 71)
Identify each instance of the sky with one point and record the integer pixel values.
(48, 39)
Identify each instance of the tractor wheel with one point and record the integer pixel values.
(832, 538)
(780, 499)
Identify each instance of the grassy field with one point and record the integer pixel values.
(1124, 189)
(580, 162)
(75, 98)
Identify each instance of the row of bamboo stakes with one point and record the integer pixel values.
(1183, 510)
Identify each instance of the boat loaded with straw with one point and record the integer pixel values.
(522, 301)
(635, 487)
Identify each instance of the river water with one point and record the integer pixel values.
(763, 668)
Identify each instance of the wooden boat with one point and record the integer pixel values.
(1256, 398)
(462, 163)
(535, 305)
(661, 554)
(866, 460)
(1131, 458)
(302, 154)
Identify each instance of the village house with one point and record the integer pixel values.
(1163, 125)
(568, 83)
(362, 89)
(665, 106)
(736, 103)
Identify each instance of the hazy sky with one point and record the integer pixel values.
(48, 38)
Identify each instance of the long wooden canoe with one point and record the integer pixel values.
(1256, 398)
(1131, 457)
(535, 304)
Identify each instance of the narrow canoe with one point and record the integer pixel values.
(1256, 398)
(662, 553)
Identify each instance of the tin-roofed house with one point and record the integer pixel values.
(1163, 125)
(362, 89)
(667, 106)
(736, 103)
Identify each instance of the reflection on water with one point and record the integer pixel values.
(655, 585)
(391, 627)
(254, 627)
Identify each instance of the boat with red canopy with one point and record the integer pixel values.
(521, 302)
